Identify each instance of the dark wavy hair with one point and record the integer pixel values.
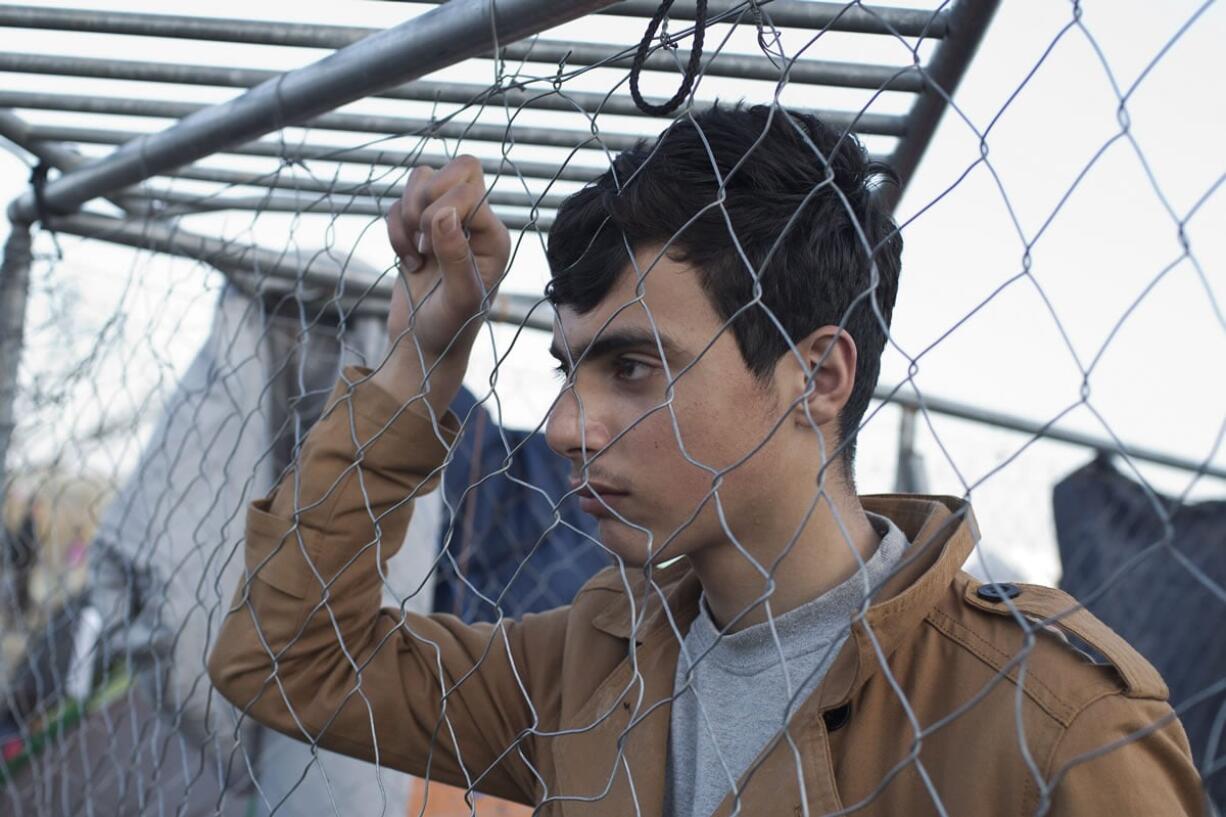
(805, 205)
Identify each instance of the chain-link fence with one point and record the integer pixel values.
(297, 521)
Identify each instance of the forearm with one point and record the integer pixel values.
(307, 648)
(372, 449)
(310, 607)
(430, 384)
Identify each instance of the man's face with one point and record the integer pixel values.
(645, 460)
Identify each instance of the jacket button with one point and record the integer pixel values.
(836, 719)
(998, 592)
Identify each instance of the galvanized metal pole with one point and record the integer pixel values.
(806, 14)
(784, 13)
(365, 156)
(854, 75)
(458, 93)
(1038, 430)
(333, 206)
(14, 292)
(342, 189)
(348, 122)
(17, 131)
(434, 40)
(226, 256)
(967, 22)
(909, 476)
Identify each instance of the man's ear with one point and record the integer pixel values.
(823, 385)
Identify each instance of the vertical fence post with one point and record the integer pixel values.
(909, 478)
(14, 291)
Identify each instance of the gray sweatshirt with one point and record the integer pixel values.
(715, 735)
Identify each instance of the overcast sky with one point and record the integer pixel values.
(1091, 214)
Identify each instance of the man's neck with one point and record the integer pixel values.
(820, 558)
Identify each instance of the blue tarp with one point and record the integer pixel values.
(506, 546)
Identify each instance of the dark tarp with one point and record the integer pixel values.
(500, 532)
(1105, 520)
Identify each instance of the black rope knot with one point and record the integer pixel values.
(38, 183)
(691, 69)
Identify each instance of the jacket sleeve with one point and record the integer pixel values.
(1125, 757)
(306, 648)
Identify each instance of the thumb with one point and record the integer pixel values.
(461, 279)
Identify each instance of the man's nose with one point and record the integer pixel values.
(574, 429)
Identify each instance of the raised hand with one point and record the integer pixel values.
(452, 251)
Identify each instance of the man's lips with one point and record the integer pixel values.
(595, 497)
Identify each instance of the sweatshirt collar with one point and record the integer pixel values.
(806, 628)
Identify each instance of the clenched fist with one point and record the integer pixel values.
(452, 252)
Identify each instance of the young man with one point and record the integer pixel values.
(723, 297)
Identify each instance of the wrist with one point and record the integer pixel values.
(402, 374)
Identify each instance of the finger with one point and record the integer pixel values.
(487, 235)
(398, 236)
(465, 289)
(462, 171)
(414, 200)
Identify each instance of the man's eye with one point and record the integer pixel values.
(560, 371)
(629, 369)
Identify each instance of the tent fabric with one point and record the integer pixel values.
(166, 556)
(505, 551)
(1104, 520)
(168, 552)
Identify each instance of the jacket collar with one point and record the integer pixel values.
(941, 531)
(632, 708)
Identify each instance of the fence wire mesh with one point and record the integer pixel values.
(392, 627)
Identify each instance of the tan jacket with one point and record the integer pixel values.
(982, 710)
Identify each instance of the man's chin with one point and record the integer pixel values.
(630, 545)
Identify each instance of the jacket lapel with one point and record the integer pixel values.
(611, 759)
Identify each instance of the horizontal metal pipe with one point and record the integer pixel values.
(226, 255)
(19, 132)
(258, 271)
(802, 14)
(783, 13)
(346, 122)
(420, 90)
(740, 66)
(63, 159)
(366, 157)
(373, 189)
(267, 271)
(322, 204)
(216, 29)
(508, 307)
(962, 411)
(854, 75)
(436, 39)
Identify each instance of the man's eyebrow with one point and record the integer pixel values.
(622, 340)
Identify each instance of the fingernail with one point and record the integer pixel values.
(450, 222)
(410, 263)
(422, 246)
